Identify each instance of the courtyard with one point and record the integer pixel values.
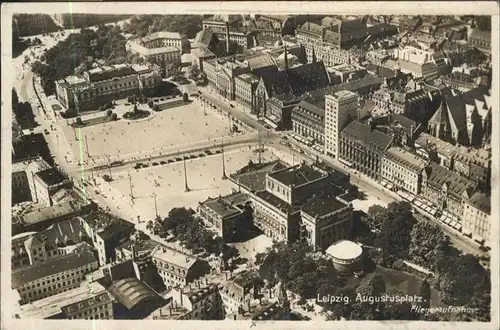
(173, 129)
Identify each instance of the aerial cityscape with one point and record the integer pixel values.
(251, 167)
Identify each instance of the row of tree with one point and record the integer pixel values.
(23, 112)
(192, 233)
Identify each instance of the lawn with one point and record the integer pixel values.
(93, 121)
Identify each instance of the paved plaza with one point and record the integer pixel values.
(167, 181)
(176, 127)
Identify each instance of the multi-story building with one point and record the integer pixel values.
(226, 214)
(340, 109)
(238, 291)
(23, 178)
(53, 241)
(162, 55)
(223, 32)
(104, 84)
(56, 275)
(19, 256)
(446, 189)
(363, 147)
(481, 40)
(162, 39)
(342, 34)
(32, 24)
(325, 220)
(201, 300)
(200, 55)
(46, 183)
(403, 170)
(89, 301)
(308, 121)
(418, 62)
(245, 86)
(476, 220)
(106, 233)
(221, 74)
(177, 268)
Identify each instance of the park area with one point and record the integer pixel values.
(175, 128)
(167, 182)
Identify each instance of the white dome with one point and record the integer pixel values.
(344, 250)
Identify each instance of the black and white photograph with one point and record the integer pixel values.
(319, 166)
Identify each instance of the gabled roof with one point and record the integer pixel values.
(481, 201)
(438, 176)
(440, 117)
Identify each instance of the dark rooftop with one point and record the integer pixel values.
(130, 292)
(296, 175)
(364, 134)
(51, 176)
(276, 202)
(323, 205)
(481, 201)
(253, 176)
(224, 205)
(112, 73)
(50, 267)
(438, 175)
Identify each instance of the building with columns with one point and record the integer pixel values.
(104, 84)
(362, 148)
(340, 109)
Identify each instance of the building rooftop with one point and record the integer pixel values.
(42, 214)
(202, 52)
(52, 266)
(166, 254)
(364, 134)
(130, 292)
(438, 176)
(323, 205)
(276, 202)
(225, 205)
(296, 175)
(60, 234)
(53, 305)
(253, 176)
(249, 78)
(308, 104)
(405, 158)
(51, 176)
(161, 35)
(481, 201)
(344, 250)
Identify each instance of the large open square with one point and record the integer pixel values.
(170, 129)
(167, 182)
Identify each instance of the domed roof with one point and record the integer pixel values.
(345, 250)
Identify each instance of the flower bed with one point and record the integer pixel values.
(138, 114)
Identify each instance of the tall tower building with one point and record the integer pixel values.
(340, 109)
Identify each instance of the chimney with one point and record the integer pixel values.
(132, 248)
(227, 37)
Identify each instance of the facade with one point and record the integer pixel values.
(419, 63)
(481, 40)
(340, 109)
(104, 84)
(446, 189)
(308, 121)
(226, 214)
(162, 39)
(54, 276)
(476, 220)
(89, 301)
(32, 24)
(221, 74)
(362, 148)
(403, 169)
(176, 268)
(245, 86)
